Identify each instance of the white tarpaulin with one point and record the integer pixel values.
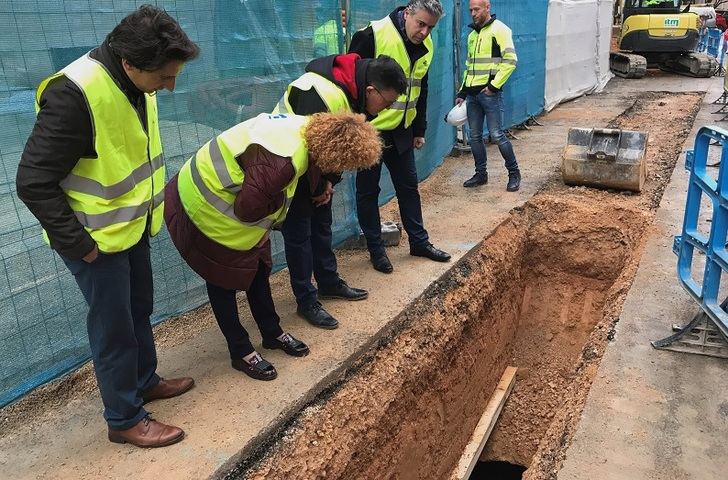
(578, 39)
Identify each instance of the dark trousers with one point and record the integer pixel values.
(307, 239)
(404, 177)
(260, 299)
(119, 292)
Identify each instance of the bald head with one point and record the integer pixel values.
(480, 11)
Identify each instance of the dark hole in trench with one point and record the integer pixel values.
(497, 471)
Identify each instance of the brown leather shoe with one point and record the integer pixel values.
(148, 433)
(168, 388)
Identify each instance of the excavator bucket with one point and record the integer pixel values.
(605, 158)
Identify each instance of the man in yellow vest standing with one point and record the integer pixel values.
(405, 36)
(328, 35)
(336, 83)
(92, 173)
(491, 61)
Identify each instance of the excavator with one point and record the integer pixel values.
(658, 33)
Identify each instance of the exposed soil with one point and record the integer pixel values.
(543, 293)
(542, 429)
(411, 407)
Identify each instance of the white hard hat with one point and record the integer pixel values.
(458, 115)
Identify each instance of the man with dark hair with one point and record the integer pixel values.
(92, 174)
(404, 35)
(332, 84)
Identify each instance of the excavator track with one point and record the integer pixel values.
(627, 65)
(691, 64)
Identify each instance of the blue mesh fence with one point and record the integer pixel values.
(523, 94)
(251, 49)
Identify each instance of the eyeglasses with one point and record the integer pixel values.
(386, 100)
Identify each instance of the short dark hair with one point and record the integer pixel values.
(149, 38)
(384, 73)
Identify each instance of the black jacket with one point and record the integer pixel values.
(61, 136)
(363, 44)
(308, 102)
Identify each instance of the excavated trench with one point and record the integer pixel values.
(530, 296)
(542, 293)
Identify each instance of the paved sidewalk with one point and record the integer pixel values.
(655, 414)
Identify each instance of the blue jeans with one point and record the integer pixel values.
(119, 293)
(403, 171)
(488, 109)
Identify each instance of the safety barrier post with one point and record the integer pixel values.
(707, 333)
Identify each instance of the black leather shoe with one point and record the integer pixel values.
(429, 251)
(381, 263)
(476, 180)
(514, 181)
(317, 316)
(343, 291)
(258, 368)
(290, 345)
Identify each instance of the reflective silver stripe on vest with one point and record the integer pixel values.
(287, 206)
(221, 167)
(510, 61)
(218, 203)
(403, 105)
(158, 199)
(120, 215)
(282, 108)
(486, 60)
(415, 82)
(89, 186)
(509, 50)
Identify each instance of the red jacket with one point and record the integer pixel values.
(266, 175)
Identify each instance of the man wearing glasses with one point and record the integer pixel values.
(404, 35)
(331, 84)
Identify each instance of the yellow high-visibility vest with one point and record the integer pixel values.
(326, 39)
(334, 98)
(388, 41)
(113, 194)
(483, 66)
(209, 181)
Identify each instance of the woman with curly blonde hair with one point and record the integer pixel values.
(221, 207)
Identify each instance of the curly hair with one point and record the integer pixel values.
(342, 141)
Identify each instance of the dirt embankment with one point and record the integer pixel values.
(543, 293)
(411, 407)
